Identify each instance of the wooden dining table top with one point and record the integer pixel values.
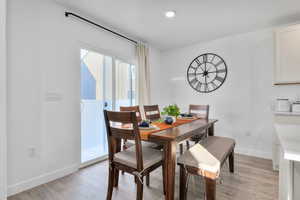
(180, 130)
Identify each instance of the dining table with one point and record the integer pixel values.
(170, 136)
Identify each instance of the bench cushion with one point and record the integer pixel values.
(198, 157)
(209, 155)
(219, 147)
(128, 157)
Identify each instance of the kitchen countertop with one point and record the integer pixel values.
(287, 113)
(289, 138)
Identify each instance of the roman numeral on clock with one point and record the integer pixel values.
(206, 87)
(221, 79)
(214, 86)
(205, 58)
(219, 63)
(192, 74)
(221, 70)
(198, 62)
(198, 86)
(193, 81)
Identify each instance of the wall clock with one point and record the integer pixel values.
(207, 72)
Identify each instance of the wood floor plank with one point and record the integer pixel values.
(254, 179)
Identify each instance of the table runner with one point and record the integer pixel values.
(163, 126)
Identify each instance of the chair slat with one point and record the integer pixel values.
(135, 109)
(121, 117)
(122, 133)
(152, 112)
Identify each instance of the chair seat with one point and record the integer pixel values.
(208, 155)
(152, 145)
(128, 157)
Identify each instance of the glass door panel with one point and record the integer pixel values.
(106, 83)
(125, 84)
(93, 135)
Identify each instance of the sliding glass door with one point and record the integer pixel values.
(106, 83)
(124, 84)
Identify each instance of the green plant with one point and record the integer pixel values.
(171, 110)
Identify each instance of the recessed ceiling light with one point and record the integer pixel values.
(170, 14)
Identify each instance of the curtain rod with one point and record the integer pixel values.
(99, 26)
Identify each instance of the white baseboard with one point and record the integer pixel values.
(45, 178)
(253, 152)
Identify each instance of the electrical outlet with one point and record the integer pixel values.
(31, 152)
(248, 133)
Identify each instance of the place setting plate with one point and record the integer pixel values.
(151, 127)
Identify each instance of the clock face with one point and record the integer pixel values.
(207, 73)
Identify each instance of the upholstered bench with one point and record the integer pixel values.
(206, 159)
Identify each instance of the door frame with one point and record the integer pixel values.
(3, 100)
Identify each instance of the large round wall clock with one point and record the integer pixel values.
(207, 72)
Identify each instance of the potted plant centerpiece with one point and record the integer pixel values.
(172, 111)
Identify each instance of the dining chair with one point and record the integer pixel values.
(202, 112)
(152, 112)
(137, 111)
(137, 160)
(127, 144)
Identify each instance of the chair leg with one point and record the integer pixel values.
(164, 178)
(231, 162)
(110, 186)
(210, 189)
(187, 144)
(139, 190)
(116, 181)
(183, 183)
(181, 148)
(148, 180)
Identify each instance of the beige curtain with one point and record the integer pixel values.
(143, 74)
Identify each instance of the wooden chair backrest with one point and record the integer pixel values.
(123, 125)
(135, 109)
(201, 111)
(152, 112)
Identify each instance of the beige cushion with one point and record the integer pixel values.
(219, 147)
(209, 154)
(128, 157)
(197, 156)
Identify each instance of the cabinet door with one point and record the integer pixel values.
(296, 180)
(287, 70)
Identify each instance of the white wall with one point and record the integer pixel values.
(159, 87)
(43, 56)
(243, 103)
(3, 99)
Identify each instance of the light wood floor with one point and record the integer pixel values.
(254, 179)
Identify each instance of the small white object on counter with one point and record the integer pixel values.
(296, 107)
(283, 105)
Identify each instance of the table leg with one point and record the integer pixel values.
(170, 166)
(116, 173)
(211, 130)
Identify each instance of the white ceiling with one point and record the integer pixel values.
(196, 20)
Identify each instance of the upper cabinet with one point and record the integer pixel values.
(287, 55)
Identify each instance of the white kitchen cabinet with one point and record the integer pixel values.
(289, 162)
(287, 57)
